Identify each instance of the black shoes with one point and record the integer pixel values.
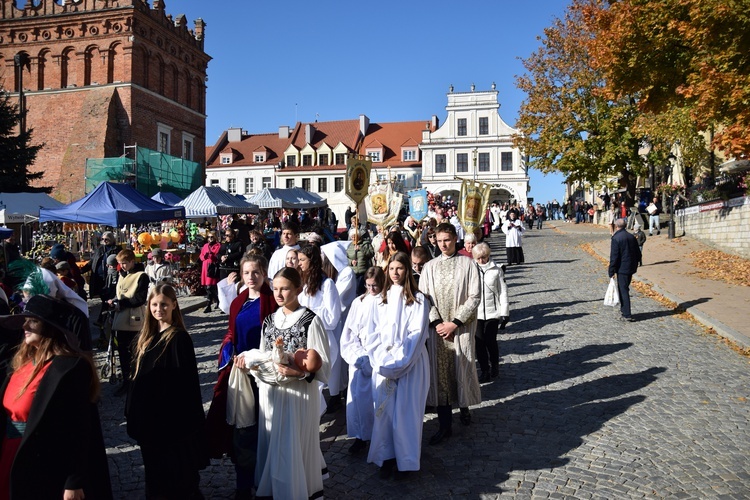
(387, 469)
(495, 371)
(441, 434)
(207, 309)
(334, 404)
(358, 446)
(484, 377)
(465, 416)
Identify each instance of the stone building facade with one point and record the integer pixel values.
(103, 75)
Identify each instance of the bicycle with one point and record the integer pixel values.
(109, 368)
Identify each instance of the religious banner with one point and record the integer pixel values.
(382, 204)
(357, 178)
(471, 209)
(418, 204)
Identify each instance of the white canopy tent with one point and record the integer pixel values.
(212, 201)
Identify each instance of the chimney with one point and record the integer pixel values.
(309, 132)
(364, 124)
(435, 123)
(284, 132)
(234, 134)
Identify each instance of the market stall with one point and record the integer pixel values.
(24, 207)
(287, 198)
(212, 201)
(167, 198)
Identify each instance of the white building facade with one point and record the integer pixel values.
(474, 143)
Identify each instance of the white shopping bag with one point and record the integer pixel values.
(240, 399)
(611, 298)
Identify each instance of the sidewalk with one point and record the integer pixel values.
(670, 272)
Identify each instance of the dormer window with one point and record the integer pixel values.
(259, 157)
(410, 154)
(291, 161)
(226, 159)
(374, 155)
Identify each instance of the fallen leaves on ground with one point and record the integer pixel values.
(719, 266)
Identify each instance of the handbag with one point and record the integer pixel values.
(213, 270)
(612, 297)
(240, 399)
(130, 319)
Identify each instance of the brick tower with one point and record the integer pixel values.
(102, 75)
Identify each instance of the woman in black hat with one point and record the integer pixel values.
(52, 443)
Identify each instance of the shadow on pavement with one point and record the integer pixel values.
(681, 307)
(524, 345)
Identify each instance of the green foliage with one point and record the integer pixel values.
(16, 155)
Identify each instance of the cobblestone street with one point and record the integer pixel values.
(585, 406)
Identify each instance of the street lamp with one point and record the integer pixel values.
(672, 160)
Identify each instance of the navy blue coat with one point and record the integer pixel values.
(624, 254)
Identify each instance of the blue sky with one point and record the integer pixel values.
(275, 63)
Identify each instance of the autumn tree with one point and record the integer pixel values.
(689, 54)
(16, 153)
(568, 122)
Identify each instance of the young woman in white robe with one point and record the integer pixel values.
(319, 294)
(336, 267)
(401, 373)
(360, 324)
(290, 462)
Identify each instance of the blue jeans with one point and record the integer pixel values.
(653, 224)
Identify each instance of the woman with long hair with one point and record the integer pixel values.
(401, 374)
(354, 338)
(52, 445)
(164, 408)
(290, 462)
(319, 294)
(393, 243)
(246, 315)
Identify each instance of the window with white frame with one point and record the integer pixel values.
(322, 185)
(484, 162)
(306, 160)
(289, 183)
(213, 182)
(232, 186)
(291, 161)
(259, 157)
(267, 182)
(506, 161)
(461, 126)
(338, 184)
(340, 159)
(163, 138)
(462, 162)
(249, 185)
(188, 146)
(323, 159)
(306, 184)
(410, 154)
(439, 164)
(226, 159)
(374, 155)
(382, 177)
(484, 125)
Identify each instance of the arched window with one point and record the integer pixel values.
(41, 66)
(68, 76)
(88, 61)
(175, 84)
(188, 89)
(145, 60)
(115, 64)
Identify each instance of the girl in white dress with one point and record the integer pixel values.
(359, 326)
(401, 374)
(319, 294)
(290, 463)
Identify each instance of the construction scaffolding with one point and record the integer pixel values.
(146, 170)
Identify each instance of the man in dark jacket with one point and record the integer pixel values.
(624, 257)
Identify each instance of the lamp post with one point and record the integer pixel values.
(474, 174)
(672, 160)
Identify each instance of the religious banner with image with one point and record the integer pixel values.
(473, 202)
(382, 204)
(418, 204)
(357, 178)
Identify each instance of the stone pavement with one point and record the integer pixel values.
(585, 406)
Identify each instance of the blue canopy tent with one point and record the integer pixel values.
(114, 205)
(212, 201)
(167, 198)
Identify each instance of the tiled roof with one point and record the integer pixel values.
(344, 131)
(393, 136)
(249, 144)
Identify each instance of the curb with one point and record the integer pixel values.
(720, 328)
(200, 304)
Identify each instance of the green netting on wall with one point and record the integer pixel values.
(147, 170)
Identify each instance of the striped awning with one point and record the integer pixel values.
(287, 198)
(211, 201)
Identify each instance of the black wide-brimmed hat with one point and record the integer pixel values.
(52, 312)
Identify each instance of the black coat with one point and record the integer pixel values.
(98, 268)
(624, 254)
(62, 446)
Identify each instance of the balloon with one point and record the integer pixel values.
(165, 236)
(144, 239)
(155, 238)
(174, 236)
